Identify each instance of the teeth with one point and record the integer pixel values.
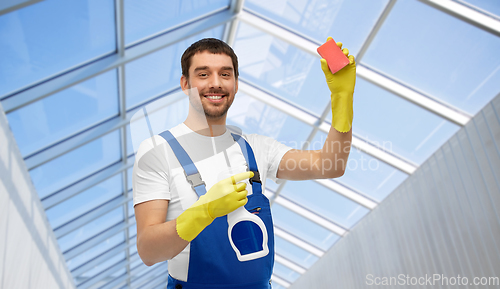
(214, 96)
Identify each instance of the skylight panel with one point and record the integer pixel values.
(460, 69)
(317, 20)
(46, 38)
(144, 21)
(396, 125)
(253, 116)
(76, 165)
(294, 253)
(62, 114)
(325, 202)
(303, 228)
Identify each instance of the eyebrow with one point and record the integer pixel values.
(206, 67)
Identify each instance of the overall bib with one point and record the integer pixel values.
(212, 261)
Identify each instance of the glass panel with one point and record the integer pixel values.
(46, 38)
(140, 277)
(95, 251)
(129, 178)
(133, 250)
(160, 71)
(142, 21)
(285, 273)
(303, 228)
(76, 164)
(397, 125)
(131, 211)
(366, 174)
(53, 118)
(486, 5)
(253, 116)
(132, 231)
(90, 229)
(449, 68)
(101, 267)
(85, 201)
(270, 184)
(324, 202)
(294, 253)
(130, 147)
(323, 18)
(281, 68)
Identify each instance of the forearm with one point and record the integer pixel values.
(159, 242)
(335, 153)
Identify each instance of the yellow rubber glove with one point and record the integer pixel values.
(341, 85)
(222, 198)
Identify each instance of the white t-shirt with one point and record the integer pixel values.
(158, 174)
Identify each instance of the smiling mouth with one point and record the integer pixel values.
(214, 97)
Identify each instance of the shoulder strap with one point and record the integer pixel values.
(190, 170)
(247, 151)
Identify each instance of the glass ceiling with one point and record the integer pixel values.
(73, 73)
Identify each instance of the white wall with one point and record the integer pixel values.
(29, 254)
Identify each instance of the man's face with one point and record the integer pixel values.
(213, 76)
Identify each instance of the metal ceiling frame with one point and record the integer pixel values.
(313, 120)
(66, 79)
(473, 16)
(11, 7)
(426, 102)
(231, 17)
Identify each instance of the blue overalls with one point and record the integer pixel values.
(212, 261)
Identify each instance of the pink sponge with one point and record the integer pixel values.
(334, 56)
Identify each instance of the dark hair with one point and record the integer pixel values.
(212, 45)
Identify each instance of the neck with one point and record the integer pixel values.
(204, 126)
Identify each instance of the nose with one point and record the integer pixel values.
(215, 81)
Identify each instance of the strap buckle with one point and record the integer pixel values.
(255, 178)
(195, 180)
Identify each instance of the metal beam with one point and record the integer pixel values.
(108, 254)
(97, 239)
(146, 277)
(280, 281)
(348, 193)
(82, 185)
(375, 29)
(465, 13)
(84, 136)
(101, 275)
(62, 81)
(231, 27)
(121, 280)
(312, 120)
(7, 6)
(298, 242)
(318, 219)
(290, 264)
(445, 111)
(89, 216)
(294, 38)
(398, 162)
(426, 102)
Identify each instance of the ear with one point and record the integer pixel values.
(236, 86)
(184, 84)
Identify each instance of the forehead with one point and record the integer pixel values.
(211, 60)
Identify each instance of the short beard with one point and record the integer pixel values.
(202, 109)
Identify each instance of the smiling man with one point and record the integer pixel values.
(181, 203)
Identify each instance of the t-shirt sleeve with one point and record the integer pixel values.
(150, 173)
(272, 151)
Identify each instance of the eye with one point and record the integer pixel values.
(202, 75)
